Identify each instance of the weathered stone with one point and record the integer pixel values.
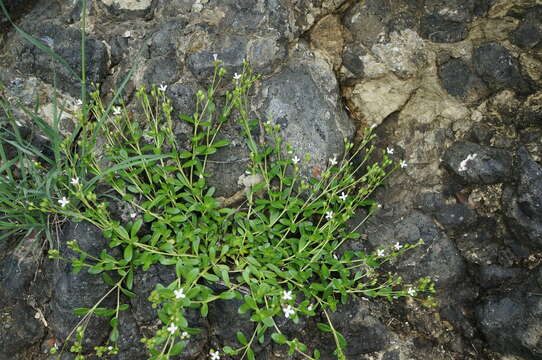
(437, 258)
(79, 290)
(498, 68)
(512, 322)
(303, 99)
(365, 333)
(438, 28)
(458, 79)
(476, 164)
(523, 203)
(66, 43)
(15, 9)
(492, 276)
(327, 36)
(135, 7)
(528, 34)
(376, 99)
(19, 330)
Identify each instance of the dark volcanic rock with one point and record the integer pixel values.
(512, 322)
(66, 43)
(439, 29)
(494, 276)
(458, 79)
(523, 204)
(72, 291)
(364, 332)
(498, 68)
(476, 164)
(144, 283)
(15, 9)
(302, 99)
(19, 329)
(529, 32)
(437, 258)
(16, 273)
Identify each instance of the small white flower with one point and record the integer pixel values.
(179, 294)
(398, 246)
(287, 295)
(162, 87)
(310, 307)
(329, 215)
(343, 196)
(389, 150)
(116, 111)
(63, 202)
(236, 76)
(110, 348)
(184, 335)
(288, 311)
(411, 292)
(78, 102)
(74, 181)
(379, 206)
(380, 252)
(215, 355)
(215, 57)
(133, 215)
(172, 328)
(333, 161)
(295, 160)
(403, 164)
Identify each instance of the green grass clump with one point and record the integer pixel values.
(276, 245)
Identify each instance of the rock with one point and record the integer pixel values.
(15, 9)
(303, 99)
(439, 29)
(438, 258)
(523, 203)
(498, 68)
(145, 282)
(377, 99)
(80, 290)
(19, 330)
(327, 36)
(225, 312)
(17, 270)
(476, 164)
(231, 50)
(130, 345)
(456, 216)
(460, 81)
(363, 331)
(528, 34)
(512, 322)
(130, 7)
(493, 276)
(66, 43)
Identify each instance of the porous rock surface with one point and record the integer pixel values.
(455, 87)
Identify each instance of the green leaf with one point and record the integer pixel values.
(81, 311)
(204, 309)
(177, 348)
(135, 227)
(128, 253)
(323, 327)
(279, 338)
(241, 338)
